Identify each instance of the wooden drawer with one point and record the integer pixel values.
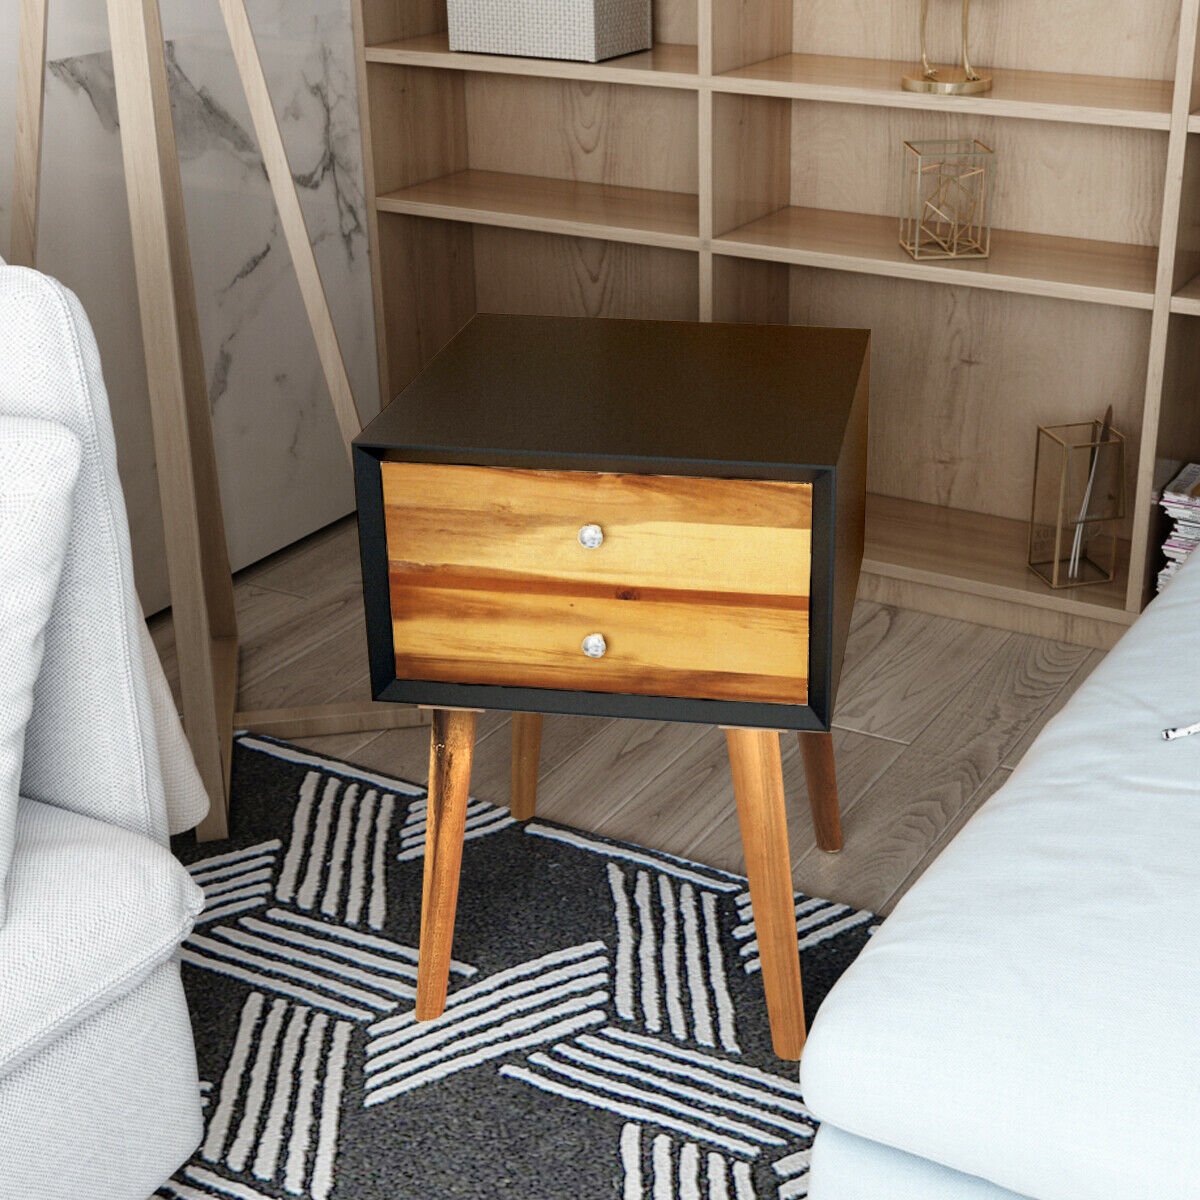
(695, 645)
(671, 532)
(699, 587)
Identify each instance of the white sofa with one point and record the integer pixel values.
(98, 1089)
(1027, 1022)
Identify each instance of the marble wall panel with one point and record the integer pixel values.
(282, 466)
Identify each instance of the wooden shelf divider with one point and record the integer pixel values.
(1028, 263)
(1030, 95)
(637, 215)
(666, 65)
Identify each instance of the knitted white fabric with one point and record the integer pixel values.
(39, 462)
(98, 1091)
(92, 910)
(187, 801)
(91, 744)
(586, 30)
(110, 1110)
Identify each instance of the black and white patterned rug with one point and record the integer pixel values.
(605, 1036)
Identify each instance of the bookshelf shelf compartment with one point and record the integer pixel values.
(1031, 95)
(960, 381)
(978, 555)
(1027, 263)
(530, 152)
(461, 268)
(1186, 301)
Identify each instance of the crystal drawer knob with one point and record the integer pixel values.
(591, 537)
(594, 645)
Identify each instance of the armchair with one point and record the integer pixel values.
(98, 1090)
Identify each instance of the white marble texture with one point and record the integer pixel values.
(283, 469)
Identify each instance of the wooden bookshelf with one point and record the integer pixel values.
(747, 169)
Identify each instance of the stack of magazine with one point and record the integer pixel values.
(1181, 500)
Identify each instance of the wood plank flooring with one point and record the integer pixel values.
(932, 717)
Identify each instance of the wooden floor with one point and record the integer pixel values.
(933, 714)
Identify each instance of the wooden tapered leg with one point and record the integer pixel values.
(526, 752)
(820, 772)
(758, 787)
(451, 745)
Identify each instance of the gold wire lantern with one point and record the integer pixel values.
(1078, 503)
(947, 189)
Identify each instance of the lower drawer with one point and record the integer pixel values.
(702, 647)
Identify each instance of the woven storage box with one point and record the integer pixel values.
(583, 30)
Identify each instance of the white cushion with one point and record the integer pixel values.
(109, 1110)
(39, 462)
(1031, 1011)
(91, 741)
(92, 910)
(845, 1167)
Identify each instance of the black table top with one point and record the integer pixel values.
(606, 394)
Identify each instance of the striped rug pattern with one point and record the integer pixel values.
(237, 881)
(336, 969)
(738, 1110)
(482, 819)
(288, 1065)
(335, 858)
(517, 1009)
(605, 1006)
(817, 921)
(670, 965)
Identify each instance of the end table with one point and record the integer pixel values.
(629, 519)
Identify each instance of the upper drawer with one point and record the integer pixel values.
(673, 532)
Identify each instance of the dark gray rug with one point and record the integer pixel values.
(605, 1037)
